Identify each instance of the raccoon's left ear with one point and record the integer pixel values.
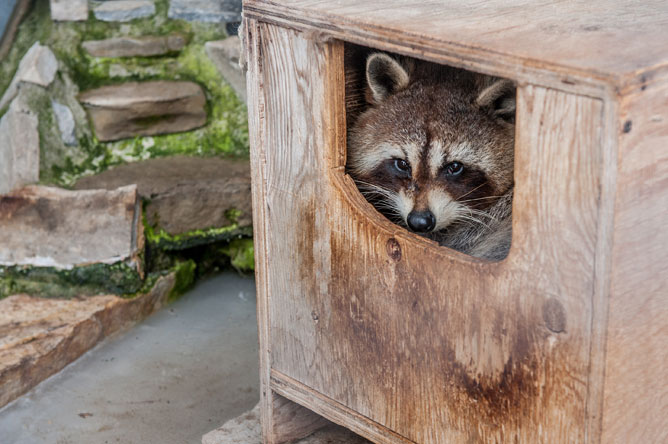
(385, 76)
(499, 97)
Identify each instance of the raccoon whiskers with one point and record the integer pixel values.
(384, 200)
(369, 189)
(469, 215)
(472, 190)
(480, 198)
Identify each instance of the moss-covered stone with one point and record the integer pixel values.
(242, 254)
(165, 241)
(119, 278)
(184, 279)
(226, 130)
(193, 253)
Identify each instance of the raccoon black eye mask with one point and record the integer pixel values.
(451, 179)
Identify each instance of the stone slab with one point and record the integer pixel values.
(38, 337)
(185, 193)
(246, 429)
(39, 66)
(19, 147)
(144, 109)
(69, 10)
(124, 10)
(225, 55)
(52, 227)
(146, 46)
(211, 11)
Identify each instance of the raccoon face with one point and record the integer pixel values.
(435, 147)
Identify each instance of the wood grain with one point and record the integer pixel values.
(428, 343)
(635, 407)
(292, 421)
(572, 46)
(282, 420)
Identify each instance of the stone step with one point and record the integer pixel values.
(69, 10)
(124, 10)
(62, 229)
(225, 55)
(212, 11)
(144, 108)
(185, 194)
(246, 429)
(146, 46)
(38, 337)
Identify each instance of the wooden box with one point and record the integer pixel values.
(400, 340)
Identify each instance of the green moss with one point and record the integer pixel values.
(160, 239)
(118, 278)
(184, 279)
(241, 254)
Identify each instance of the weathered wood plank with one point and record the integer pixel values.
(635, 407)
(282, 420)
(554, 44)
(431, 344)
(256, 118)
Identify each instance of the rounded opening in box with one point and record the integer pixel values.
(431, 147)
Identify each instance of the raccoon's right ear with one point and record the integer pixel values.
(499, 97)
(385, 76)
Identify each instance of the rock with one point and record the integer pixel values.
(225, 55)
(19, 149)
(69, 10)
(65, 121)
(135, 46)
(11, 14)
(38, 337)
(144, 109)
(52, 227)
(185, 193)
(246, 429)
(38, 66)
(124, 10)
(54, 155)
(212, 11)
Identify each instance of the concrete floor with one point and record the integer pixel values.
(178, 375)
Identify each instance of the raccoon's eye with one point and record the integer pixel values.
(454, 169)
(402, 165)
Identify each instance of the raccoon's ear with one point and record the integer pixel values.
(385, 76)
(499, 97)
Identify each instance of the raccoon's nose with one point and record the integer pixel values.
(421, 221)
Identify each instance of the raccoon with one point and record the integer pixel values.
(433, 151)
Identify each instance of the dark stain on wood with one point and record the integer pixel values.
(393, 249)
(396, 338)
(627, 126)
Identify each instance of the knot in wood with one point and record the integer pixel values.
(554, 315)
(393, 249)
